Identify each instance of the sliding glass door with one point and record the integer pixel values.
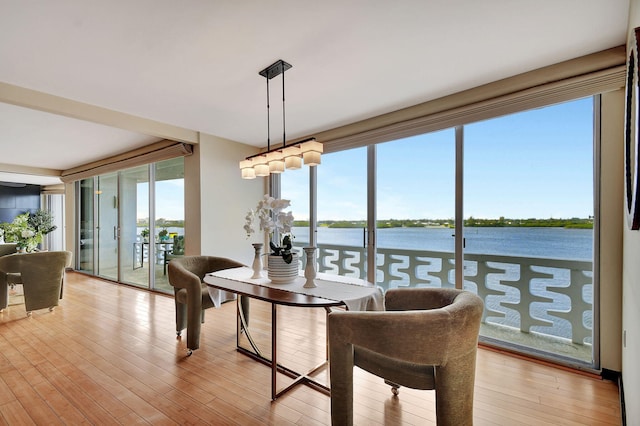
(117, 240)
(86, 224)
(134, 208)
(169, 235)
(106, 228)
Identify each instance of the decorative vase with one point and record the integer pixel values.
(310, 268)
(257, 260)
(281, 272)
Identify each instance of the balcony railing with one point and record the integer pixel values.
(533, 295)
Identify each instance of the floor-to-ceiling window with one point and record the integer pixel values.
(86, 224)
(117, 240)
(342, 212)
(168, 217)
(529, 210)
(527, 207)
(415, 210)
(134, 210)
(106, 229)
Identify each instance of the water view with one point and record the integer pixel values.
(548, 243)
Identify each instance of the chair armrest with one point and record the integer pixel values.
(180, 277)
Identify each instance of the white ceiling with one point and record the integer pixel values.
(194, 64)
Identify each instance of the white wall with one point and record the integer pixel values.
(631, 298)
(225, 198)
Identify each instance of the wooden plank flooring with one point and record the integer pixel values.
(108, 355)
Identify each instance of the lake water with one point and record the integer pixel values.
(549, 243)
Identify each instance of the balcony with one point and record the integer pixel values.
(544, 305)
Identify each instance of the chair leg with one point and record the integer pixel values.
(181, 317)
(395, 388)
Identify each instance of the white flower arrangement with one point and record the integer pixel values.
(271, 218)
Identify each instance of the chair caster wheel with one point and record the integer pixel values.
(395, 391)
(29, 314)
(51, 309)
(189, 352)
(178, 333)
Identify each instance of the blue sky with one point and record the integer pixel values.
(537, 163)
(171, 194)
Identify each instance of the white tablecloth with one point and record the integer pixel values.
(355, 293)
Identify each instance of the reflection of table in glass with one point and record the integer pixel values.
(331, 291)
(142, 248)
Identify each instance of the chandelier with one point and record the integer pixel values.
(275, 160)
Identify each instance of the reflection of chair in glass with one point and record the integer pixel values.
(176, 251)
(191, 294)
(426, 339)
(41, 275)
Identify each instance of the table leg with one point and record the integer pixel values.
(274, 352)
(304, 378)
(243, 326)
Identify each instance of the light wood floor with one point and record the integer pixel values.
(108, 355)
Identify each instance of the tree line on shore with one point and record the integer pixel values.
(572, 223)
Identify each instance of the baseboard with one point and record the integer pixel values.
(616, 376)
(623, 409)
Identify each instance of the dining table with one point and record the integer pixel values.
(331, 291)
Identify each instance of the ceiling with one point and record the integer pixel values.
(194, 64)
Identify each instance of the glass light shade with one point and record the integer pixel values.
(292, 159)
(260, 166)
(248, 173)
(312, 145)
(246, 167)
(311, 152)
(311, 158)
(276, 162)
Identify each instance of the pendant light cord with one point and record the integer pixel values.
(284, 133)
(268, 119)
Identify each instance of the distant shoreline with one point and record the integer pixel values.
(572, 223)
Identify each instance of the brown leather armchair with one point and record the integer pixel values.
(426, 339)
(191, 294)
(41, 275)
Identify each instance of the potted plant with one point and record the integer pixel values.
(28, 229)
(145, 235)
(163, 234)
(282, 263)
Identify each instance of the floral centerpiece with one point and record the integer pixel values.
(271, 218)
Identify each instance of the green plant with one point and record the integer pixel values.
(21, 232)
(144, 233)
(283, 250)
(42, 222)
(163, 234)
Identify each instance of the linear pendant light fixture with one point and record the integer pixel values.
(287, 156)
